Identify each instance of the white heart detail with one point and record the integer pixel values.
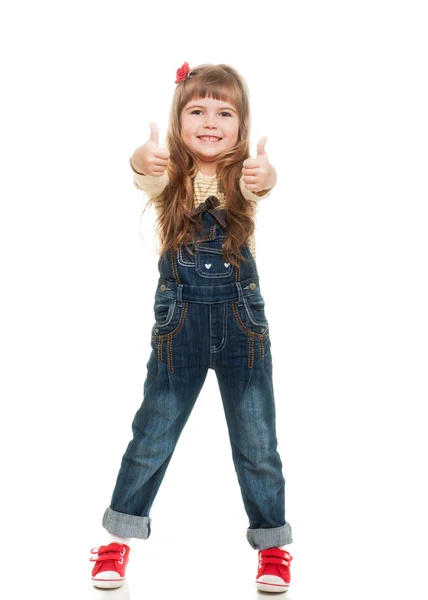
(226, 265)
(208, 266)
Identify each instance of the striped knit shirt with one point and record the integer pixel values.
(203, 185)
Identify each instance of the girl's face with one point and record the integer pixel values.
(209, 128)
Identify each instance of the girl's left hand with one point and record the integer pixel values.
(258, 174)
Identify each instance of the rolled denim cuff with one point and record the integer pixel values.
(271, 537)
(126, 525)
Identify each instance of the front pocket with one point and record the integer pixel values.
(251, 315)
(251, 319)
(211, 264)
(169, 316)
(165, 331)
(255, 308)
(163, 310)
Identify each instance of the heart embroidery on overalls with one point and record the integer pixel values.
(226, 265)
(208, 266)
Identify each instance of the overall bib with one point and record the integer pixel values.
(208, 315)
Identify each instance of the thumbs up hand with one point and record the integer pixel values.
(258, 174)
(151, 159)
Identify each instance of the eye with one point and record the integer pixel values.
(195, 111)
(226, 113)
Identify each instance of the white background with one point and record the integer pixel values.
(340, 89)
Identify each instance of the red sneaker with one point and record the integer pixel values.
(110, 565)
(273, 574)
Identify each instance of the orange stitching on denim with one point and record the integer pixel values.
(238, 272)
(174, 332)
(174, 266)
(169, 336)
(250, 351)
(261, 337)
(169, 354)
(208, 236)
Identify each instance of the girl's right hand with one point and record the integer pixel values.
(150, 158)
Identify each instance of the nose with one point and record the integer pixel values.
(209, 121)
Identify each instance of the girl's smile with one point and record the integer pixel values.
(206, 138)
(209, 128)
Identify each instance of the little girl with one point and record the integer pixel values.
(209, 314)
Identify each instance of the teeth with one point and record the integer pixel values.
(209, 138)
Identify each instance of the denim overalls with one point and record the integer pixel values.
(208, 314)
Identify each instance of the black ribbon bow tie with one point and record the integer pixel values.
(209, 205)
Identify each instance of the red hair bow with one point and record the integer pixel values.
(182, 72)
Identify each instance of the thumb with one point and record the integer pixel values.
(261, 146)
(154, 136)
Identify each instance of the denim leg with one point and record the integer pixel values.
(157, 425)
(249, 406)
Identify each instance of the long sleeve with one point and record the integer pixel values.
(249, 195)
(152, 186)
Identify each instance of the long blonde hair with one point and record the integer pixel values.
(220, 82)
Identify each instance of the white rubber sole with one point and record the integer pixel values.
(108, 580)
(271, 583)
